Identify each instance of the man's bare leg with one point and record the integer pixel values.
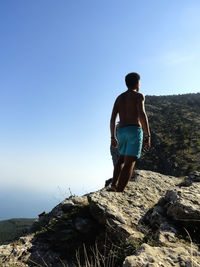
(126, 172)
(116, 172)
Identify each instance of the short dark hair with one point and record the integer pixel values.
(132, 79)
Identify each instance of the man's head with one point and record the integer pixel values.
(133, 80)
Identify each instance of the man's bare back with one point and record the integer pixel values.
(127, 105)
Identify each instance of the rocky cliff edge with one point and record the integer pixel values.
(155, 222)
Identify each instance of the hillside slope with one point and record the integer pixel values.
(13, 228)
(175, 127)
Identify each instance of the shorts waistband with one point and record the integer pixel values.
(137, 125)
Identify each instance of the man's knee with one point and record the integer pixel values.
(130, 161)
(129, 165)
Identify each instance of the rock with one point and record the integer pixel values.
(183, 204)
(147, 216)
(187, 181)
(27, 252)
(179, 204)
(16, 253)
(83, 225)
(64, 207)
(195, 176)
(67, 206)
(176, 212)
(108, 182)
(129, 207)
(192, 178)
(124, 211)
(163, 257)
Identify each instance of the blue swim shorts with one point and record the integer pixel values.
(130, 139)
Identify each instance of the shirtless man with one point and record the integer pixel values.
(129, 135)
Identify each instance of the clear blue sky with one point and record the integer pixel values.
(62, 64)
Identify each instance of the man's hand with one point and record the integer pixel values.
(147, 142)
(114, 142)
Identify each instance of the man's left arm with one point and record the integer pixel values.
(113, 125)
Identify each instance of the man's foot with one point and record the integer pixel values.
(113, 188)
(119, 191)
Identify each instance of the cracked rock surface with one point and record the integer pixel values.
(162, 204)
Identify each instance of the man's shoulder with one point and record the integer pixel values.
(140, 96)
(120, 96)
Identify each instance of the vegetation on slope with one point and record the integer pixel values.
(175, 127)
(11, 229)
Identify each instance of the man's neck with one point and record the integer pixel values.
(133, 90)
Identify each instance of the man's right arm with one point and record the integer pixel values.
(143, 119)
